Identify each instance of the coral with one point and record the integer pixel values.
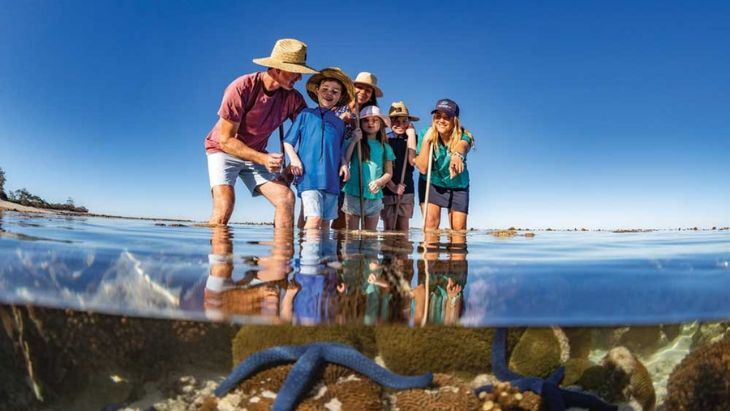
(584, 373)
(506, 397)
(340, 384)
(447, 392)
(627, 378)
(702, 380)
(438, 349)
(537, 354)
(642, 340)
(253, 338)
(581, 341)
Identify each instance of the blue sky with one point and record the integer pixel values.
(586, 114)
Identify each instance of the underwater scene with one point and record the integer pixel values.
(119, 314)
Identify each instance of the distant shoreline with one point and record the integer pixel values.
(7, 205)
(10, 206)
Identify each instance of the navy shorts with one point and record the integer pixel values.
(455, 199)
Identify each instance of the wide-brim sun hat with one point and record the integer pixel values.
(399, 109)
(331, 73)
(374, 111)
(369, 79)
(288, 55)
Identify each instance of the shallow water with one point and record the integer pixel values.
(657, 293)
(142, 269)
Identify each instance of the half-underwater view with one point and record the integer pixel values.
(505, 206)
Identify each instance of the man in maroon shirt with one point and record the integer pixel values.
(253, 106)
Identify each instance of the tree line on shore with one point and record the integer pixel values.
(24, 197)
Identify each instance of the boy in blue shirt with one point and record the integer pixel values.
(319, 134)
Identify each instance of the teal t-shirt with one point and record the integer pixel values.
(440, 168)
(373, 169)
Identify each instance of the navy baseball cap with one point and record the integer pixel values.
(447, 106)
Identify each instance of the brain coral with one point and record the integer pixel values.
(702, 380)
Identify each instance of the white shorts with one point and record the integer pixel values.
(318, 203)
(223, 169)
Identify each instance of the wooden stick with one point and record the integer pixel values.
(402, 178)
(428, 186)
(360, 165)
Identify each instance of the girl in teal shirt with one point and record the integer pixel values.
(377, 169)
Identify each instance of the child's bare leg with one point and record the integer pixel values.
(313, 222)
(402, 224)
(353, 221)
(371, 222)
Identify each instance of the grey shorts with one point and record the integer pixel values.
(223, 169)
(352, 206)
(404, 210)
(318, 203)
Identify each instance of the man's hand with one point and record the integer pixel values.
(400, 189)
(273, 162)
(345, 172)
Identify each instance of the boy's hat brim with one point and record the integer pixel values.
(288, 55)
(399, 109)
(333, 73)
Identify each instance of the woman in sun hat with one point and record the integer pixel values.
(376, 168)
(449, 185)
(366, 93)
(253, 106)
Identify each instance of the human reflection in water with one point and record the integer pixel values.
(444, 278)
(263, 292)
(376, 275)
(316, 279)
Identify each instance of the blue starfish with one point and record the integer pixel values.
(307, 361)
(556, 398)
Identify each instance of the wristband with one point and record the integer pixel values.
(461, 156)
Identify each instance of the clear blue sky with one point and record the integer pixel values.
(586, 114)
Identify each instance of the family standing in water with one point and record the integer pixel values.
(345, 164)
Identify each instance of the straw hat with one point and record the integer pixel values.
(374, 111)
(369, 79)
(399, 109)
(334, 73)
(289, 55)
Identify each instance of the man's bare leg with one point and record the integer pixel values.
(282, 198)
(224, 198)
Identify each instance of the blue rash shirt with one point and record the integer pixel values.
(319, 136)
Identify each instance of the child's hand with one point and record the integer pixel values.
(356, 135)
(346, 117)
(345, 172)
(401, 188)
(296, 167)
(374, 186)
